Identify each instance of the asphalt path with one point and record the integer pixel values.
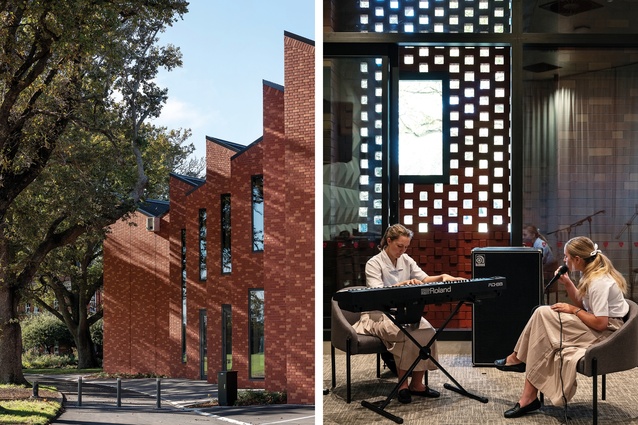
(139, 404)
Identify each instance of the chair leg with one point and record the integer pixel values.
(594, 370)
(604, 386)
(378, 365)
(332, 360)
(348, 393)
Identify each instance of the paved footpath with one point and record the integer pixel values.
(139, 404)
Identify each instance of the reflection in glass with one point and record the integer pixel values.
(227, 337)
(183, 282)
(225, 237)
(258, 212)
(256, 343)
(203, 272)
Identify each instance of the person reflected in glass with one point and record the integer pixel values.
(532, 237)
(393, 267)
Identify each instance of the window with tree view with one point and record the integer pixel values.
(183, 282)
(256, 333)
(258, 212)
(203, 271)
(423, 126)
(225, 237)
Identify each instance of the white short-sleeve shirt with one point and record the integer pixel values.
(381, 272)
(604, 298)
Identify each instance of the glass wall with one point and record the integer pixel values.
(580, 156)
(354, 157)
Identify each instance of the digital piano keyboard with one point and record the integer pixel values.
(407, 301)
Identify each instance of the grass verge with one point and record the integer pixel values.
(17, 406)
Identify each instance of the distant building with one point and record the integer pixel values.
(221, 277)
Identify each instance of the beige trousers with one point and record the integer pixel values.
(403, 349)
(551, 345)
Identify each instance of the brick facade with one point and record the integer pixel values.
(143, 270)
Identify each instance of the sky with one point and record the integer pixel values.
(229, 47)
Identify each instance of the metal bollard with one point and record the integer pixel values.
(36, 387)
(119, 392)
(80, 391)
(159, 393)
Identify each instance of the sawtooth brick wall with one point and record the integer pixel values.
(143, 269)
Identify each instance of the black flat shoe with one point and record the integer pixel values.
(518, 411)
(404, 396)
(500, 365)
(429, 392)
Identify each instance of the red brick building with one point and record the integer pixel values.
(185, 297)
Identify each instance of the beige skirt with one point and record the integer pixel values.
(551, 345)
(404, 350)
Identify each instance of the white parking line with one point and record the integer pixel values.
(289, 420)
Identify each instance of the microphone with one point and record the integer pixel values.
(563, 269)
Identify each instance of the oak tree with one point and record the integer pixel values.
(75, 74)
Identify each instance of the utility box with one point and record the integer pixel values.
(227, 387)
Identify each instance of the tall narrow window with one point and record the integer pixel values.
(203, 344)
(256, 333)
(202, 244)
(225, 239)
(227, 337)
(183, 263)
(258, 212)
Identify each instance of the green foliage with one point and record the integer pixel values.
(43, 331)
(97, 332)
(32, 360)
(77, 83)
(64, 370)
(257, 397)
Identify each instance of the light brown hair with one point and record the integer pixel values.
(393, 232)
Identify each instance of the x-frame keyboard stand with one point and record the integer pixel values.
(425, 354)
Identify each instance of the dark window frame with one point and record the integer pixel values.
(256, 199)
(203, 254)
(444, 177)
(183, 286)
(256, 337)
(225, 225)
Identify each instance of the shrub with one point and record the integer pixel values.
(32, 360)
(42, 332)
(251, 398)
(139, 375)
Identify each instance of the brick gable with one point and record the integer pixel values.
(143, 272)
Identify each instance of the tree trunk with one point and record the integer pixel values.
(10, 334)
(84, 344)
(86, 354)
